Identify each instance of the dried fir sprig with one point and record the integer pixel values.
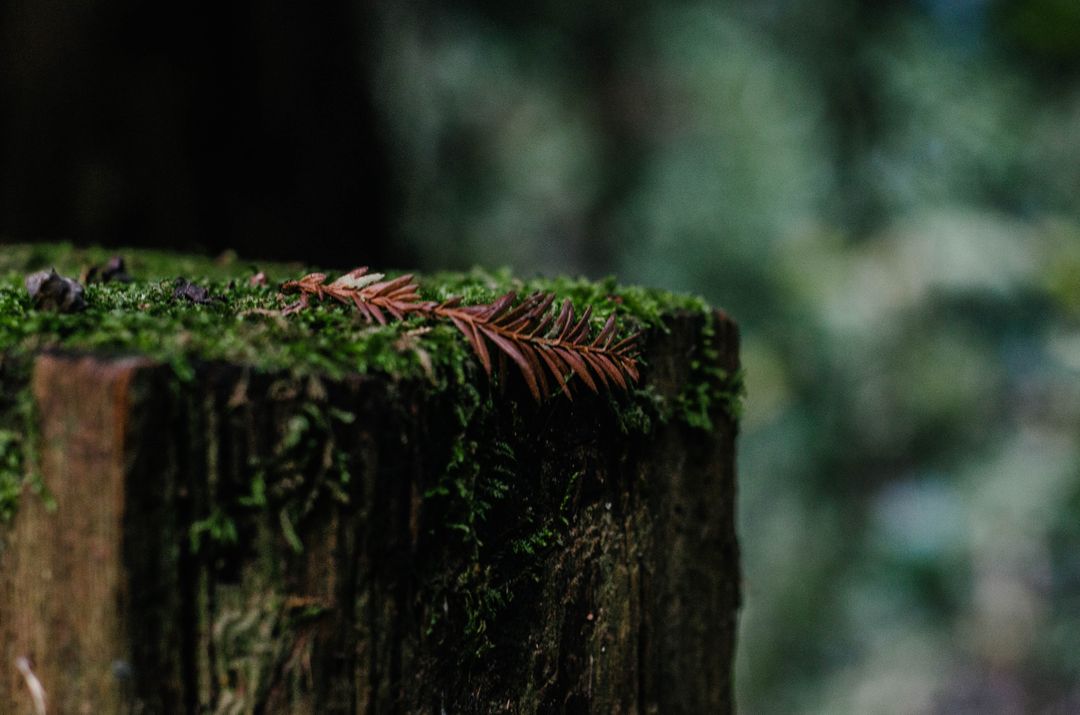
(544, 345)
(547, 347)
(367, 291)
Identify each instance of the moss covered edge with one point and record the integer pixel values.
(142, 317)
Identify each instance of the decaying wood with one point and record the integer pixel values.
(119, 605)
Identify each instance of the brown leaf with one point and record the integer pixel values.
(608, 365)
(578, 366)
(607, 333)
(512, 350)
(597, 370)
(557, 368)
(581, 330)
(499, 306)
(566, 318)
(534, 362)
(469, 330)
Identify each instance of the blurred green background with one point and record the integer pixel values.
(884, 194)
(887, 198)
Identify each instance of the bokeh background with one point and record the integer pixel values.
(885, 194)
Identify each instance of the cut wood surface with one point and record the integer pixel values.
(247, 539)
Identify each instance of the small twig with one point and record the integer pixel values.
(37, 692)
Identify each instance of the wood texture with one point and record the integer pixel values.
(627, 605)
(64, 582)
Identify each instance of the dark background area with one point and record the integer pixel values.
(266, 128)
(201, 126)
(885, 194)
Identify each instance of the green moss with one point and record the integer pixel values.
(497, 510)
(18, 436)
(639, 308)
(329, 341)
(218, 527)
(142, 317)
(711, 387)
(474, 480)
(142, 264)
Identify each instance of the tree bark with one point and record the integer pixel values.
(244, 542)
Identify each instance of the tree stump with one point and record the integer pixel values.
(221, 535)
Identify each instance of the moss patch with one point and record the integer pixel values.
(711, 388)
(329, 341)
(142, 317)
(18, 435)
(277, 441)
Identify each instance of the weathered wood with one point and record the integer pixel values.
(601, 576)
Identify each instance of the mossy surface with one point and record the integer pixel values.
(241, 326)
(143, 317)
(283, 438)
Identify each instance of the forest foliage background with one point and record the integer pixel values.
(886, 196)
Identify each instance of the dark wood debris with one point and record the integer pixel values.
(51, 291)
(184, 289)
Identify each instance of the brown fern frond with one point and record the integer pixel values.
(367, 292)
(547, 347)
